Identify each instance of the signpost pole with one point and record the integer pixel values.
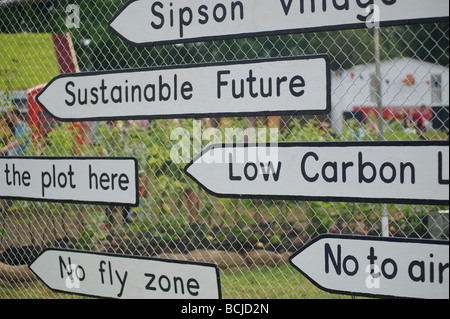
(376, 30)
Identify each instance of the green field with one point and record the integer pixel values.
(282, 282)
(26, 60)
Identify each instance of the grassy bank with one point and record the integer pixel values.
(265, 283)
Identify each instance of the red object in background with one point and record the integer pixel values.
(143, 183)
(409, 80)
(421, 118)
(67, 61)
(392, 113)
(65, 53)
(39, 121)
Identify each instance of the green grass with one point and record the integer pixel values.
(282, 282)
(33, 290)
(26, 60)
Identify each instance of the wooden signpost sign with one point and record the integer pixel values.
(87, 180)
(376, 266)
(151, 22)
(372, 172)
(126, 277)
(294, 85)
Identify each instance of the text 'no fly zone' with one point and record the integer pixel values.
(131, 277)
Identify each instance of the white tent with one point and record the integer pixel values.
(406, 83)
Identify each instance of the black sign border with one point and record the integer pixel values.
(325, 111)
(365, 238)
(185, 262)
(361, 25)
(70, 201)
(322, 198)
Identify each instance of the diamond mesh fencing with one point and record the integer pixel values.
(249, 239)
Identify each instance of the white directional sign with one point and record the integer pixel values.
(67, 179)
(379, 172)
(294, 85)
(150, 22)
(376, 266)
(127, 277)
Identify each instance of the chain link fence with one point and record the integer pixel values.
(250, 240)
